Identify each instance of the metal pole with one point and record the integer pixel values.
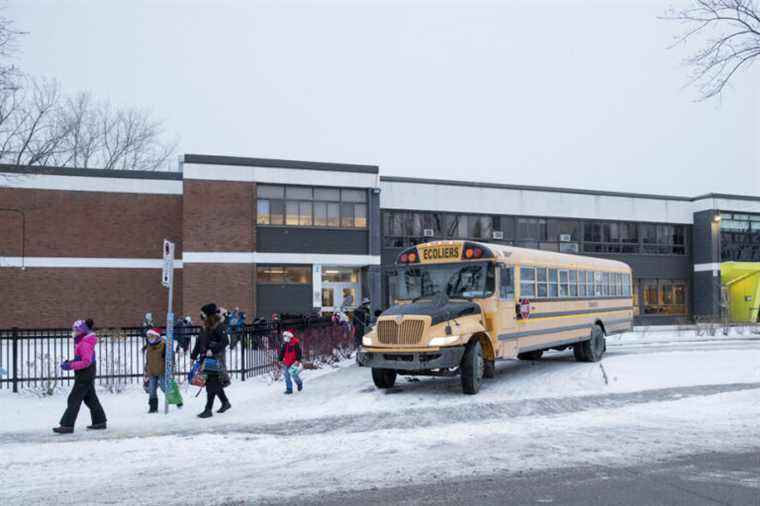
(241, 342)
(169, 369)
(15, 359)
(169, 342)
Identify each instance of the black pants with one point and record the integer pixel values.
(214, 389)
(84, 390)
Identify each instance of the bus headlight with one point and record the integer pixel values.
(443, 341)
(366, 341)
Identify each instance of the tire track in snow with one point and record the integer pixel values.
(412, 418)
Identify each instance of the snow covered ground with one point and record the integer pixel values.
(652, 397)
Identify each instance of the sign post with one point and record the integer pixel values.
(167, 279)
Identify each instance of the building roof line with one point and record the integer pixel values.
(278, 163)
(553, 189)
(78, 172)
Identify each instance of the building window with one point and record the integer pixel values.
(664, 296)
(740, 237)
(663, 239)
(306, 206)
(283, 275)
(531, 229)
(402, 229)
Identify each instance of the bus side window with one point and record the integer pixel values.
(506, 283)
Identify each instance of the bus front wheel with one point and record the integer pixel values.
(592, 349)
(383, 378)
(472, 368)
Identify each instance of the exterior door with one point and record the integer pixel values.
(506, 320)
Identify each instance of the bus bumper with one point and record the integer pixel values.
(442, 358)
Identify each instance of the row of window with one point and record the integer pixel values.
(404, 228)
(311, 206)
(661, 297)
(543, 282)
(740, 237)
(283, 275)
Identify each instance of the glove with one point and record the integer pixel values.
(65, 365)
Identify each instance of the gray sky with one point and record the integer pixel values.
(564, 93)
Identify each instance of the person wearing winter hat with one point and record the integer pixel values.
(155, 368)
(290, 361)
(83, 365)
(212, 342)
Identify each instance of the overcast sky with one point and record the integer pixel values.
(564, 93)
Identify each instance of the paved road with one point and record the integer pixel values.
(717, 478)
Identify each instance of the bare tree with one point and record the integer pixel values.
(730, 33)
(9, 36)
(41, 126)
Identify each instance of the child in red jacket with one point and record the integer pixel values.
(290, 356)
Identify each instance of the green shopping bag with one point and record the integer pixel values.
(172, 393)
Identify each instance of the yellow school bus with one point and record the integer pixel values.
(460, 305)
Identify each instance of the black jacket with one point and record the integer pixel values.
(214, 339)
(362, 317)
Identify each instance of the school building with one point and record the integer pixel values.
(274, 236)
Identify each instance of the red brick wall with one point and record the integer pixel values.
(44, 298)
(93, 225)
(219, 216)
(90, 224)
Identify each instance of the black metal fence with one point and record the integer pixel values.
(31, 358)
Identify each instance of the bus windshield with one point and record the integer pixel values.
(460, 280)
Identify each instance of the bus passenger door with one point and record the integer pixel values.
(507, 322)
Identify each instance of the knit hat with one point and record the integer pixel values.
(154, 335)
(209, 309)
(80, 327)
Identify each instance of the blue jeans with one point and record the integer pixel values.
(154, 382)
(288, 382)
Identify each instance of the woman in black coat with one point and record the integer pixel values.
(212, 342)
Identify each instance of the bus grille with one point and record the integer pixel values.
(408, 333)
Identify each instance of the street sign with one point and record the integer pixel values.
(166, 274)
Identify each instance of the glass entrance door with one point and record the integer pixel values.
(341, 288)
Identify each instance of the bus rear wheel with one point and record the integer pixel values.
(472, 368)
(530, 355)
(383, 378)
(592, 349)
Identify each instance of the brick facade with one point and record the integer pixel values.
(89, 224)
(86, 224)
(48, 298)
(219, 216)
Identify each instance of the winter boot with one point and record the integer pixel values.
(206, 414)
(97, 426)
(288, 392)
(300, 386)
(153, 403)
(225, 406)
(63, 430)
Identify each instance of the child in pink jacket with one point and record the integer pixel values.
(83, 365)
